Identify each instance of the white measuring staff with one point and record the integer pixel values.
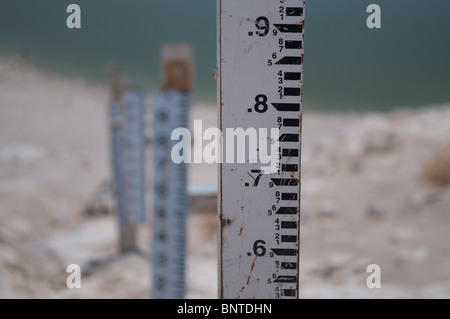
(171, 110)
(127, 147)
(134, 156)
(260, 66)
(171, 201)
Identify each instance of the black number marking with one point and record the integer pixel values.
(261, 103)
(262, 24)
(287, 211)
(258, 248)
(290, 152)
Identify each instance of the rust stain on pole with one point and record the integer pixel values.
(177, 67)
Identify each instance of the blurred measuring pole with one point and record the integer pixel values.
(126, 116)
(171, 202)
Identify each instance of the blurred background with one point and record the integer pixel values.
(350, 67)
(375, 163)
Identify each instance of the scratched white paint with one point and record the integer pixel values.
(259, 250)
